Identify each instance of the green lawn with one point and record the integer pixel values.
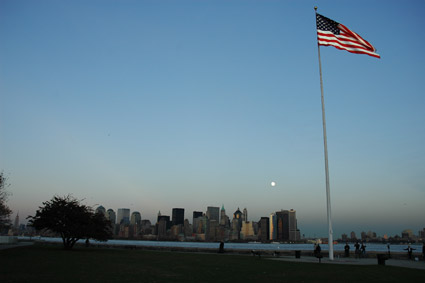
(53, 264)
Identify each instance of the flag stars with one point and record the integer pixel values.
(327, 24)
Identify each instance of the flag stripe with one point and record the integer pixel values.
(342, 39)
(351, 33)
(331, 33)
(352, 50)
(344, 44)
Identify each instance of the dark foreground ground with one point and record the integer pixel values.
(53, 264)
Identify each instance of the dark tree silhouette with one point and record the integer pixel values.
(4, 209)
(72, 220)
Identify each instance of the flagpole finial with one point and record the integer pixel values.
(315, 8)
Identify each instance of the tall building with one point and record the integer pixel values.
(161, 227)
(146, 227)
(100, 209)
(245, 215)
(236, 224)
(213, 213)
(201, 225)
(238, 215)
(273, 226)
(136, 218)
(195, 220)
(111, 216)
(287, 230)
(247, 231)
(187, 228)
(123, 216)
(16, 224)
(421, 234)
(264, 225)
(294, 233)
(166, 219)
(178, 216)
(282, 225)
(235, 231)
(196, 214)
(224, 219)
(211, 232)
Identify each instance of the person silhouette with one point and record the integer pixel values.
(357, 247)
(347, 250)
(363, 249)
(409, 250)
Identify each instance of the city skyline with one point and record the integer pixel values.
(154, 105)
(189, 215)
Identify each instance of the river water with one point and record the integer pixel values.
(241, 246)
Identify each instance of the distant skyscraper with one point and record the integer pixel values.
(213, 213)
(237, 214)
(101, 209)
(201, 224)
(247, 230)
(195, 220)
(264, 229)
(245, 215)
(282, 225)
(211, 232)
(136, 218)
(111, 216)
(273, 226)
(236, 224)
(187, 228)
(178, 216)
(123, 215)
(196, 214)
(294, 233)
(161, 227)
(166, 218)
(16, 226)
(287, 230)
(224, 219)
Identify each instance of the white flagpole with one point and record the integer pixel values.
(328, 197)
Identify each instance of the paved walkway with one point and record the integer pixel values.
(19, 244)
(363, 261)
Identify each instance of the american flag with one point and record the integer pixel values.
(331, 33)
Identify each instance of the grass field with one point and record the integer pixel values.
(53, 264)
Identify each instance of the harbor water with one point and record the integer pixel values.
(372, 247)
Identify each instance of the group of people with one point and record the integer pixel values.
(360, 250)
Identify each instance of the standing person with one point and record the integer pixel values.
(363, 248)
(409, 251)
(317, 251)
(389, 253)
(357, 247)
(221, 248)
(347, 250)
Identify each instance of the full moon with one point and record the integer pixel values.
(273, 184)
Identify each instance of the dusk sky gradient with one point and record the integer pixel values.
(151, 105)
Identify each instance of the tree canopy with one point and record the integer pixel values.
(72, 220)
(4, 209)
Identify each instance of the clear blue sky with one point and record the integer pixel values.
(152, 105)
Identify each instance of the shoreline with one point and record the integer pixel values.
(265, 253)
